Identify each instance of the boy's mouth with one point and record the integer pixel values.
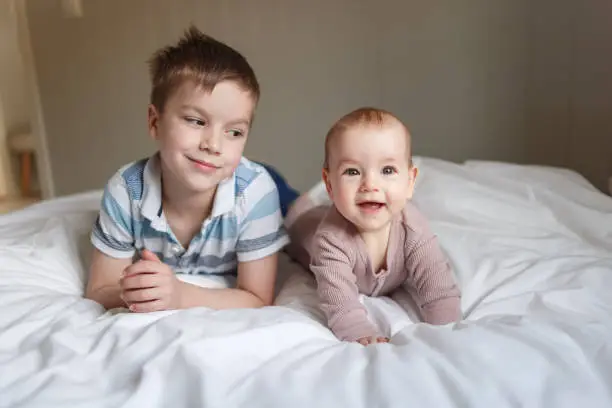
(204, 165)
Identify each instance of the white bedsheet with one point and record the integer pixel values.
(532, 249)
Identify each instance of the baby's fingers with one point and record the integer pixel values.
(366, 341)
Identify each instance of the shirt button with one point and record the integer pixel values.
(175, 249)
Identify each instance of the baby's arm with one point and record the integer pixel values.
(432, 281)
(338, 292)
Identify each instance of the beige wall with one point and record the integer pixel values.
(570, 87)
(13, 100)
(12, 79)
(473, 80)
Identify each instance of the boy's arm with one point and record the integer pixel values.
(113, 240)
(255, 288)
(104, 274)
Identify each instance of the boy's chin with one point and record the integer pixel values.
(200, 187)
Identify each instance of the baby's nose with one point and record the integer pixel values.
(369, 184)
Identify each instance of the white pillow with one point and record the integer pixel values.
(46, 253)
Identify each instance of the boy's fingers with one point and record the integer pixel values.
(141, 295)
(149, 256)
(146, 307)
(143, 267)
(140, 281)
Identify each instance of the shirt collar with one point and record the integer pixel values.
(225, 197)
(151, 205)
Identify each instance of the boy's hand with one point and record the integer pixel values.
(149, 285)
(365, 341)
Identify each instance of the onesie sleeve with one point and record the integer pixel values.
(332, 263)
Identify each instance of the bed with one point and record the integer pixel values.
(531, 248)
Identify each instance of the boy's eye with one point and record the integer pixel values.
(388, 170)
(195, 121)
(236, 133)
(351, 172)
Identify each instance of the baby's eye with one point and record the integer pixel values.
(195, 121)
(351, 172)
(236, 133)
(388, 170)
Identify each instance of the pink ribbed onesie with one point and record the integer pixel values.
(323, 241)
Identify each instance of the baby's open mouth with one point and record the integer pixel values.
(370, 205)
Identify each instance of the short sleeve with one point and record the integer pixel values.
(262, 232)
(113, 232)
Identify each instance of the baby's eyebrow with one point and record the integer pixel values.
(344, 161)
(389, 159)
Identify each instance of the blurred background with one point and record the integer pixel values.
(523, 81)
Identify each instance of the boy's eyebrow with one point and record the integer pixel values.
(194, 108)
(245, 122)
(200, 111)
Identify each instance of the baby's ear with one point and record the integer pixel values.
(414, 172)
(325, 175)
(412, 181)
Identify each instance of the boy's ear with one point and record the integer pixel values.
(325, 175)
(152, 121)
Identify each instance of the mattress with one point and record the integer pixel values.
(531, 248)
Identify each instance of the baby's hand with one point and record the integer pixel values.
(149, 285)
(365, 341)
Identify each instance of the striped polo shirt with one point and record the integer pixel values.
(245, 222)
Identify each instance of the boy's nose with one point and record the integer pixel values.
(211, 142)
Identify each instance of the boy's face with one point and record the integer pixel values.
(201, 135)
(370, 177)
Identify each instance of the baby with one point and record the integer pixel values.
(372, 239)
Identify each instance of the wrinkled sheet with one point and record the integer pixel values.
(531, 248)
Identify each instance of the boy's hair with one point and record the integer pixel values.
(366, 116)
(199, 58)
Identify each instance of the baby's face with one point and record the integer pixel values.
(370, 177)
(202, 135)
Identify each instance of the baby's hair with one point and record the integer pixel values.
(199, 58)
(366, 116)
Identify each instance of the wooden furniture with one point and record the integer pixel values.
(22, 144)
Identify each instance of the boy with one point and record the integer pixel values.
(371, 240)
(197, 206)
